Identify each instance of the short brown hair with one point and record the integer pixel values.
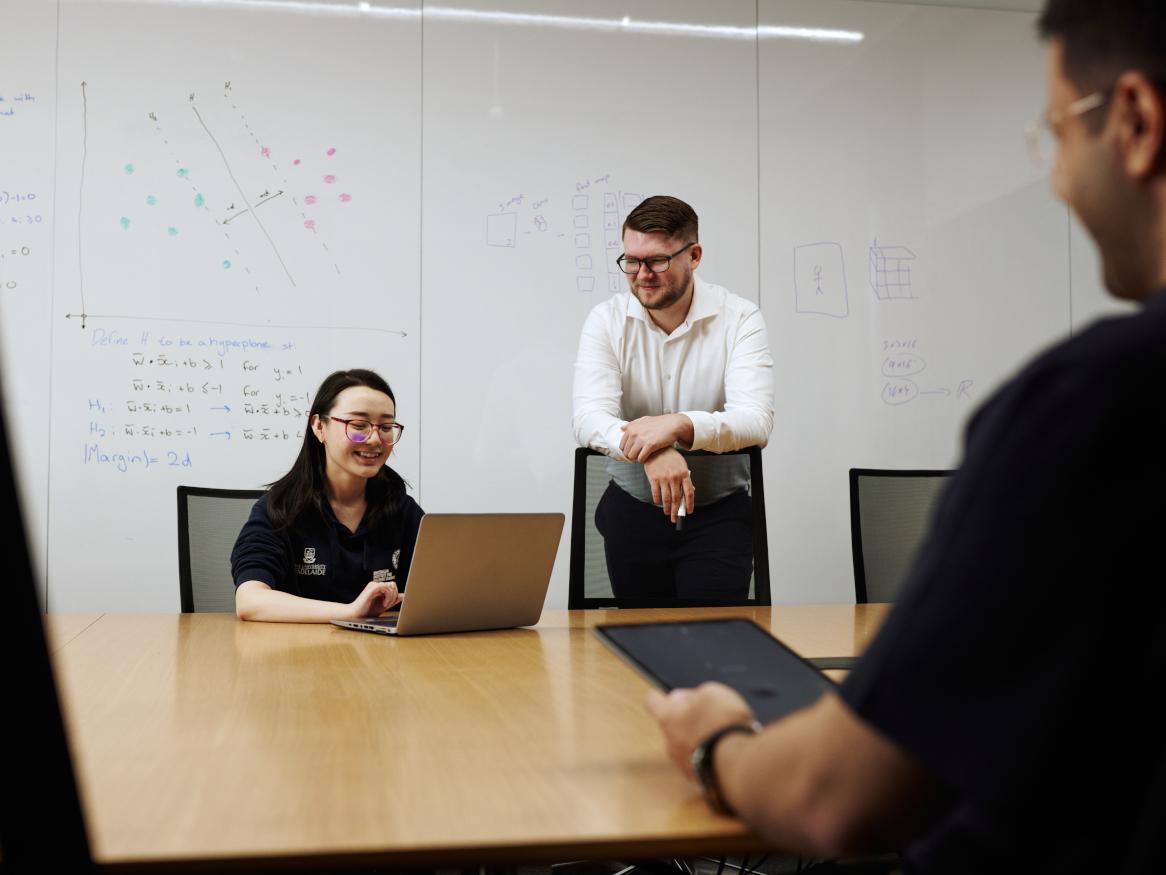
(1103, 40)
(663, 213)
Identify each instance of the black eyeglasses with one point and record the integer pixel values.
(655, 263)
(360, 430)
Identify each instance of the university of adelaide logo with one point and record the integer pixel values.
(309, 566)
(388, 575)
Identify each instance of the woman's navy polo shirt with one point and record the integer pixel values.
(320, 558)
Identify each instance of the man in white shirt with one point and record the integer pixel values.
(677, 362)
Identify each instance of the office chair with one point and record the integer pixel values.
(890, 512)
(589, 585)
(209, 521)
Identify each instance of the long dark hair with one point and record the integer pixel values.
(302, 490)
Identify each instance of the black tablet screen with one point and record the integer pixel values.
(773, 679)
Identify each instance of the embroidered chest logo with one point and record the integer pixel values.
(388, 575)
(309, 566)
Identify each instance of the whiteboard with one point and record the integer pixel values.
(238, 197)
(918, 260)
(27, 115)
(531, 166)
(233, 222)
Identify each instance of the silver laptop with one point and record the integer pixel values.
(474, 571)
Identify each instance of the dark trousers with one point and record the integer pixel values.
(709, 562)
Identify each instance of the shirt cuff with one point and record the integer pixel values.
(704, 428)
(612, 437)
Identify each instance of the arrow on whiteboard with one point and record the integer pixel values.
(226, 408)
(227, 434)
(936, 392)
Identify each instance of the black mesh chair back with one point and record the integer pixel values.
(589, 585)
(209, 521)
(890, 512)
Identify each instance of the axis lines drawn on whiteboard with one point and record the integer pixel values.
(820, 280)
(890, 272)
(81, 197)
(329, 179)
(901, 368)
(93, 316)
(592, 207)
(148, 206)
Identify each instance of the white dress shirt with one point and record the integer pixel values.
(715, 368)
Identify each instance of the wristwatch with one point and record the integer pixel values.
(702, 763)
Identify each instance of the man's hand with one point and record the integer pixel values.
(649, 434)
(668, 475)
(688, 717)
(376, 598)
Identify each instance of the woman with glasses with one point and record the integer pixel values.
(332, 538)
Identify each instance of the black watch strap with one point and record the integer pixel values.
(702, 763)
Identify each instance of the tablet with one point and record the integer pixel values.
(773, 679)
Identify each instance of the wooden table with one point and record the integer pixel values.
(200, 737)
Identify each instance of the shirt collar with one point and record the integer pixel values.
(330, 516)
(704, 302)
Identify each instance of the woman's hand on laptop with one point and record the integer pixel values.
(376, 598)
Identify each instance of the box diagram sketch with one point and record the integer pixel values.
(820, 280)
(501, 229)
(589, 220)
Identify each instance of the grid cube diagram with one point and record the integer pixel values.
(890, 272)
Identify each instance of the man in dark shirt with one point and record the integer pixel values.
(1003, 720)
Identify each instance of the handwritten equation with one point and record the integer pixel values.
(903, 382)
(21, 208)
(10, 259)
(172, 398)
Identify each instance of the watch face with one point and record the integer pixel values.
(702, 763)
(697, 758)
